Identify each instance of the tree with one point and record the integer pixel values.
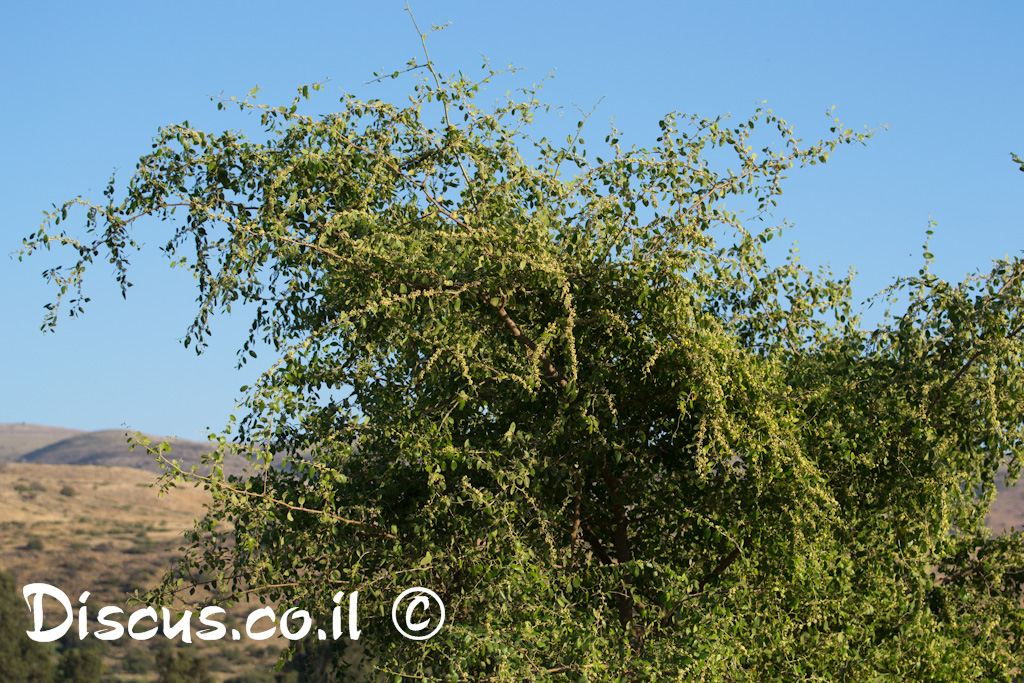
(81, 664)
(22, 660)
(573, 396)
(178, 665)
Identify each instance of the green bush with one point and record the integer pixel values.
(81, 665)
(179, 665)
(21, 658)
(137, 661)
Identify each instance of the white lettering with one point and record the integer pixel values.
(37, 591)
(307, 624)
(353, 608)
(83, 623)
(183, 626)
(116, 630)
(218, 631)
(256, 616)
(138, 616)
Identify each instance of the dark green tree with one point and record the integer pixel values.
(180, 665)
(22, 660)
(310, 660)
(138, 660)
(81, 665)
(570, 393)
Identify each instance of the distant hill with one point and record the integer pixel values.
(19, 438)
(110, 448)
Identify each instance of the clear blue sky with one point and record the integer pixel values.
(84, 87)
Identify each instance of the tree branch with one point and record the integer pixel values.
(596, 546)
(549, 367)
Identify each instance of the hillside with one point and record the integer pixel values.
(17, 439)
(110, 448)
(105, 530)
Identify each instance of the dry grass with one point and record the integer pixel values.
(108, 533)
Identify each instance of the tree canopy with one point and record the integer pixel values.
(22, 660)
(568, 391)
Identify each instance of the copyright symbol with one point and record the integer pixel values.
(413, 627)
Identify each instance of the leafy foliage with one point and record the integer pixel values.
(178, 665)
(22, 660)
(81, 664)
(572, 395)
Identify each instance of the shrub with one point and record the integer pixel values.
(181, 666)
(21, 659)
(137, 661)
(81, 665)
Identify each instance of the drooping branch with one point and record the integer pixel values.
(577, 501)
(513, 328)
(723, 565)
(597, 546)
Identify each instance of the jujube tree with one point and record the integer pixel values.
(570, 393)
